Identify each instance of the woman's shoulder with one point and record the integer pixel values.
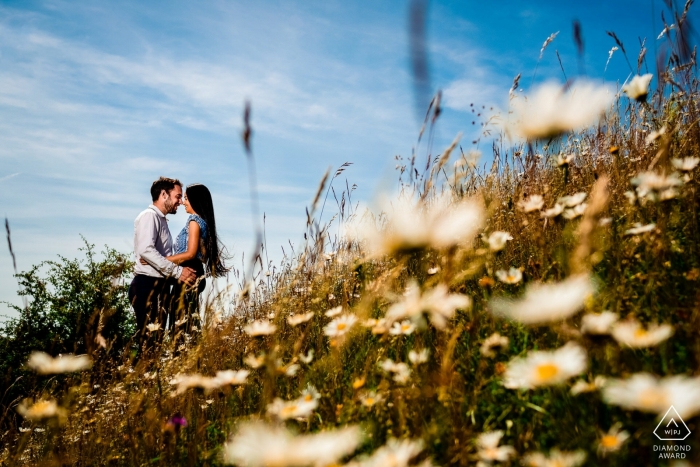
(202, 223)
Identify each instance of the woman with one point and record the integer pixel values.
(197, 246)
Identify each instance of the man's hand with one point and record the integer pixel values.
(188, 276)
(143, 261)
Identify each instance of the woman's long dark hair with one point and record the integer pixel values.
(200, 199)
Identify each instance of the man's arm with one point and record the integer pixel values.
(147, 232)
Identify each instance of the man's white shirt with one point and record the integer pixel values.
(153, 242)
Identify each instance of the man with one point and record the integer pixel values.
(150, 287)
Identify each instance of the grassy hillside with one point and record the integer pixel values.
(407, 368)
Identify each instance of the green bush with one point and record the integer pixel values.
(69, 302)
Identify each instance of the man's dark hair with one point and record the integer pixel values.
(163, 183)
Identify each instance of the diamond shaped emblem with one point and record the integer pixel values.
(672, 427)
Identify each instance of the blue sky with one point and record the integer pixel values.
(97, 99)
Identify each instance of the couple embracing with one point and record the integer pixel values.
(169, 276)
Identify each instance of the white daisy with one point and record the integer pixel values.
(440, 223)
(257, 444)
(401, 372)
(649, 393)
(253, 361)
(208, 383)
(340, 326)
(42, 410)
(545, 368)
(437, 302)
(379, 326)
(308, 357)
(655, 187)
(686, 164)
(297, 408)
(639, 229)
(631, 333)
(638, 87)
(572, 201)
(295, 320)
(613, 440)
(334, 311)
(556, 458)
(555, 211)
(404, 327)
(490, 451)
(598, 323)
(497, 240)
(575, 212)
(565, 160)
(582, 385)
(45, 364)
(370, 398)
(416, 358)
(260, 328)
(532, 203)
(394, 453)
(654, 135)
(551, 111)
(495, 340)
(512, 276)
(544, 303)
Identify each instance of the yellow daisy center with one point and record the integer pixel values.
(405, 327)
(547, 371)
(369, 401)
(341, 326)
(640, 333)
(651, 398)
(308, 398)
(288, 410)
(609, 441)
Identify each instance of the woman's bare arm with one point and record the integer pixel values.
(192, 246)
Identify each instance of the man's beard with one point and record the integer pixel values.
(170, 207)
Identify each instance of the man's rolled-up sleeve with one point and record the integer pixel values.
(144, 247)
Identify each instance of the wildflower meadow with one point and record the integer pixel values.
(535, 303)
